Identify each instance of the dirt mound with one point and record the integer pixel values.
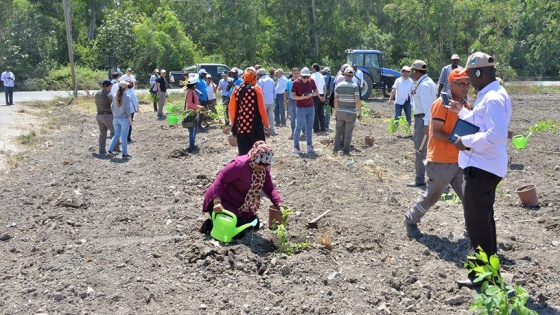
(84, 234)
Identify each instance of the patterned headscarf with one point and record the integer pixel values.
(261, 153)
(250, 76)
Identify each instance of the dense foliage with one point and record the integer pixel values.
(145, 34)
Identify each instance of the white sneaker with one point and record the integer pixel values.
(297, 150)
(311, 150)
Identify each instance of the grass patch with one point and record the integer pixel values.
(532, 89)
(14, 160)
(27, 139)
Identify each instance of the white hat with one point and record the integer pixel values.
(193, 80)
(305, 72)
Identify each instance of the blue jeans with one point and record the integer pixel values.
(121, 130)
(328, 112)
(304, 121)
(279, 112)
(192, 137)
(292, 114)
(225, 101)
(407, 111)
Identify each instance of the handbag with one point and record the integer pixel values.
(189, 121)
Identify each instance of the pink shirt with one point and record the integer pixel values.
(192, 101)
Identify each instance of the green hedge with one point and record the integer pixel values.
(60, 79)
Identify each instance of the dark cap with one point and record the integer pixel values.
(106, 83)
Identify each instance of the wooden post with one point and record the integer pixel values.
(68, 22)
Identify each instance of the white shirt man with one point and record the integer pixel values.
(8, 78)
(129, 77)
(153, 79)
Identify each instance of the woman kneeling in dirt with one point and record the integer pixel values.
(238, 187)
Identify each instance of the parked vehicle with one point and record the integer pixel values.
(375, 76)
(214, 69)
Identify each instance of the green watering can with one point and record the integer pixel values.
(520, 141)
(224, 226)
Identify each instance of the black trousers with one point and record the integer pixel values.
(130, 129)
(479, 190)
(319, 122)
(155, 102)
(245, 141)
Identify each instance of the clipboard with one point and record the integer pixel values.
(462, 128)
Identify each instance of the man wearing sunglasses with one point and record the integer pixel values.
(442, 168)
(303, 91)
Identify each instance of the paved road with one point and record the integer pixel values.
(23, 97)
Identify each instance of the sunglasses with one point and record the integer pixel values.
(466, 84)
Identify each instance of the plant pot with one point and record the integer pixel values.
(528, 195)
(274, 217)
(232, 140)
(369, 140)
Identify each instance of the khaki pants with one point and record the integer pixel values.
(105, 122)
(439, 176)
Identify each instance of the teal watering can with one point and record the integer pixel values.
(224, 226)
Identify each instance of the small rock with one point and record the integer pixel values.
(12, 224)
(555, 243)
(273, 262)
(557, 168)
(28, 290)
(90, 290)
(156, 255)
(169, 221)
(58, 297)
(508, 277)
(202, 306)
(121, 265)
(456, 300)
(5, 237)
(286, 271)
(246, 308)
(334, 275)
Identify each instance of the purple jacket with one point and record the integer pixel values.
(232, 185)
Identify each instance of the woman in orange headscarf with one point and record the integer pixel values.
(247, 112)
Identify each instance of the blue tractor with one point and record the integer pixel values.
(375, 76)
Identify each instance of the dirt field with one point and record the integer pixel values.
(80, 234)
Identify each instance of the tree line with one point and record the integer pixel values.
(171, 34)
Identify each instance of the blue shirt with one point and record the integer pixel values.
(281, 85)
(267, 86)
(222, 85)
(289, 88)
(201, 90)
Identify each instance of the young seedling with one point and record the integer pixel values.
(286, 246)
(495, 297)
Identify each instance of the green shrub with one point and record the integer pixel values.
(34, 84)
(61, 79)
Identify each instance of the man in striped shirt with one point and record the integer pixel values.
(347, 107)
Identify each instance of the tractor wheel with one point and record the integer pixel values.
(387, 86)
(368, 87)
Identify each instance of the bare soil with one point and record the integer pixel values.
(83, 234)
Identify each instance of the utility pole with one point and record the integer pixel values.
(68, 22)
(315, 28)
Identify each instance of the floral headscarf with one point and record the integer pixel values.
(261, 153)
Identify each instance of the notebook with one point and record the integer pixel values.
(462, 128)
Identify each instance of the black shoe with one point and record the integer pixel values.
(111, 153)
(130, 141)
(126, 156)
(412, 230)
(469, 284)
(415, 184)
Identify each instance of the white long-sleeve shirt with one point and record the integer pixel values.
(8, 78)
(492, 113)
(424, 94)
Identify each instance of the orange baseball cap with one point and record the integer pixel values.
(458, 74)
